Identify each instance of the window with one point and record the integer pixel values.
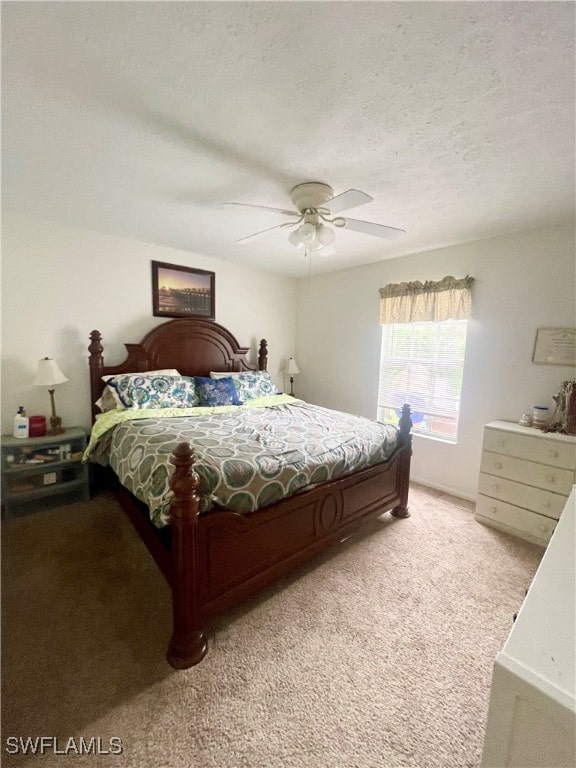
(421, 364)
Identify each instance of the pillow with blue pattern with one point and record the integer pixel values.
(144, 391)
(250, 384)
(110, 401)
(216, 391)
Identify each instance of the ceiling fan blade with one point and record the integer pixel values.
(378, 230)
(257, 234)
(266, 208)
(345, 200)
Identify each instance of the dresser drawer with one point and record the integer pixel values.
(529, 472)
(515, 518)
(537, 448)
(535, 499)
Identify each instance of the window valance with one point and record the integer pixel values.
(447, 299)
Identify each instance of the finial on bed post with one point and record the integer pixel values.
(263, 355)
(404, 426)
(96, 366)
(405, 442)
(188, 644)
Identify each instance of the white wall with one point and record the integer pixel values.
(523, 282)
(59, 283)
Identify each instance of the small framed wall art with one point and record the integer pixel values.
(182, 291)
(555, 346)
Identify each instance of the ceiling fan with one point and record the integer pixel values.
(316, 207)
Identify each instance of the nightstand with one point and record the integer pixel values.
(43, 472)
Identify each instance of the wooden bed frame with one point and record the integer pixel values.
(214, 560)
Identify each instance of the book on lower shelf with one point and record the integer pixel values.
(40, 480)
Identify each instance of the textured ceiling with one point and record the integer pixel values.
(140, 119)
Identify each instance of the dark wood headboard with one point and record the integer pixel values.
(192, 346)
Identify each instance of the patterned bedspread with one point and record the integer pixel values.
(247, 457)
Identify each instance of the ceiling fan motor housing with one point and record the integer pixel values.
(311, 194)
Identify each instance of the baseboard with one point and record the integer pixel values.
(444, 489)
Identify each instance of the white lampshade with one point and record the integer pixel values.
(48, 374)
(291, 367)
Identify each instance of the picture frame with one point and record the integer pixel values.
(179, 291)
(555, 346)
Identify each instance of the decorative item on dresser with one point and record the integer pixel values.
(526, 476)
(564, 418)
(214, 558)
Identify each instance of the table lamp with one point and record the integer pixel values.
(291, 369)
(48, 375)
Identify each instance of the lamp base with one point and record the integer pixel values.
(56, 427)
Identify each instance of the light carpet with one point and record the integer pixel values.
(378, 655)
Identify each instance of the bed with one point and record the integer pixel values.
(216, 550)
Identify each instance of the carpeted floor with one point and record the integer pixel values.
(379, 655)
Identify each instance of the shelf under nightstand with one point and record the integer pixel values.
(43, 472)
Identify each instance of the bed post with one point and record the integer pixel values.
(263, 355)
(96, 366)
(188, 644)
(405, 440)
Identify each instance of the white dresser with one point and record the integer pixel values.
(532, 714)
(526, 476)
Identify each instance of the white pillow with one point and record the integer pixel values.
(110, 401)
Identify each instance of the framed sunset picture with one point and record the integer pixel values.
(182, 291)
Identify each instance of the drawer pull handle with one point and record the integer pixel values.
(550, 479)
(492, 510)
(553, 454)
(543, 528)
(497, 465)
(546, 503)
(495, 487)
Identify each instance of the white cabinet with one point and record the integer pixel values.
(525, 478)
(532, 713)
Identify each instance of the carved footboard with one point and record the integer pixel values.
(221, 557)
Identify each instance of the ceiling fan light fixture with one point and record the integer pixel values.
(325, 234)
(294, 238)
(307, 232)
